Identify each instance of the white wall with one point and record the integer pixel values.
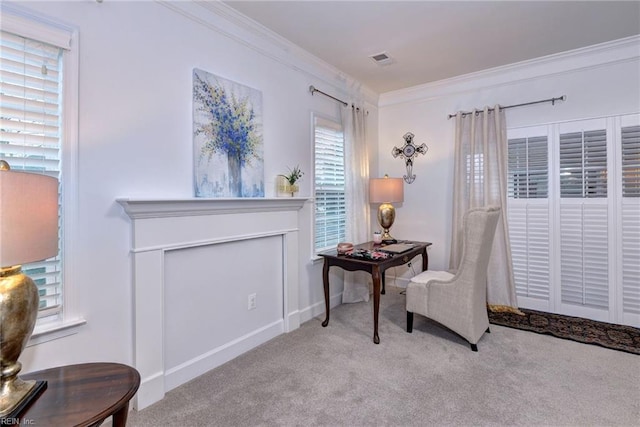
(135, 126)
(598, 81)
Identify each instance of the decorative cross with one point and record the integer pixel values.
(408, 152)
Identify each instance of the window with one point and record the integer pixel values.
(329, 193)
(38, 87)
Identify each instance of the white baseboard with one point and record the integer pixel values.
(151, 390)
(318, 309)
(193, 368)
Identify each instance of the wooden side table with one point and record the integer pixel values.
(82, 395)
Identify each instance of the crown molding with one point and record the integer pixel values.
(230, 23)
(603, 54)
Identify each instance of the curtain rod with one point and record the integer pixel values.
(313, 90)
(551, 100)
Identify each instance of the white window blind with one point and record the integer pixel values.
(30, 132)
(529, 234)
(329, 194)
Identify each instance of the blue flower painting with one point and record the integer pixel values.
(227, 138)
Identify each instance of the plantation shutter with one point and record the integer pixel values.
(630, 219)
(528, 213)
(584, 217)
(30, 134)
(330, 203)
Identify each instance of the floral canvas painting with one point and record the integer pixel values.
(227, 138)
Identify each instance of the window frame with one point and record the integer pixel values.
(24, 23)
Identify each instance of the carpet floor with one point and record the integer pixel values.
(609, 335)
(336, 376)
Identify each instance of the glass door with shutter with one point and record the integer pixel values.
(574, 217)
(583, 217)
(628, 217)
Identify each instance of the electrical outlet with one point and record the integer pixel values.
(252, 302)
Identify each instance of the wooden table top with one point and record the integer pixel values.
(395, 259)
(81, 395)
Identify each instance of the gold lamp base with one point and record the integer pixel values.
(18, 311)
(386, 216)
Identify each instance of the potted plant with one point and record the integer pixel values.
(287, 182)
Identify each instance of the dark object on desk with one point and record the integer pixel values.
(367, 254)
(82, 395)
(376, 267)
(398, 248)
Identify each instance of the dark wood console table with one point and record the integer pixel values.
(375, 267)
(82, 395)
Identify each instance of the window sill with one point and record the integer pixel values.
(50, 332)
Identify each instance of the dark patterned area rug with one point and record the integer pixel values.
(616, 337)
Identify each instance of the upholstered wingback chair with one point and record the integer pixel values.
(459, 300)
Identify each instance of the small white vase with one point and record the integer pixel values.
(284, 189)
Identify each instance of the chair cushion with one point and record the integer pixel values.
(427, 275)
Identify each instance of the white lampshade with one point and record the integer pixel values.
(386, 190)
(28, 217)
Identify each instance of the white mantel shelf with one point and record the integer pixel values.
(161, 208)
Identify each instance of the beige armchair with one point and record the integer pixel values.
(459, 301)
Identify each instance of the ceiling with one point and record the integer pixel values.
(435, 40)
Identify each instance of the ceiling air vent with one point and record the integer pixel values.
(382, 58)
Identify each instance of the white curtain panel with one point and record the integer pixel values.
(356, 284)
(480, 179)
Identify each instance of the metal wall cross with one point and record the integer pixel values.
(408, 152)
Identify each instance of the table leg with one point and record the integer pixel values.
(120, 416)
(425, 260)
(376, 302)
(383, 282)
(325, 282)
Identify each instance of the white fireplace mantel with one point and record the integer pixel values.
(159, 227)
(159, 208)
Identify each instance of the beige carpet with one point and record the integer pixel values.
(336, 376)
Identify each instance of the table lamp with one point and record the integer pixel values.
(386, 191)
(28, 233)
